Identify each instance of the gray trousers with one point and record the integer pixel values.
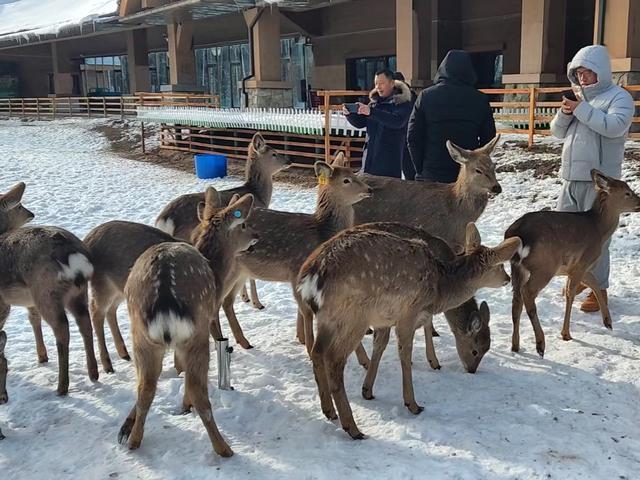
(578, 196)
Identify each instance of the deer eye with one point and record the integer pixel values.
(346, 180)
(627, 194)
(479, 172)
(474, 353)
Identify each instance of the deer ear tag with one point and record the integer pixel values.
(323, 180)
(237, 214)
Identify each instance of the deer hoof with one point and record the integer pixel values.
(125, 431)
(43, 358)
(414, 408)
(134, 444)
(245, 344)
(4, 398)
(566, 336)
(354, 433)
(608, 324)
(367, 393)
(126, 357)
(62, 391)
(258, 306)
(435, 365)
(330, 414)
(224, 450)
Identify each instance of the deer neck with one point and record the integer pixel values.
(605, 216)
(221, 258)
(259, 182)
(458, 281)
(466, 196)
(332, 216)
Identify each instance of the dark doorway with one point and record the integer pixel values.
(360, 71)
(488, 67)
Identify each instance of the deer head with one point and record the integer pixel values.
(265, 157)
(477, 170)
(12, 214)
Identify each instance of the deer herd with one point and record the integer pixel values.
(377, 253)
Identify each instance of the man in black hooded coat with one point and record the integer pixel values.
(451, 109)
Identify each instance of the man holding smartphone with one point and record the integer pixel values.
(594, 124)
(385, 118)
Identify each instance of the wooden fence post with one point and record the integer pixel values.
(10, 107)
(532, 114)
(144, 150)
(327, 128)
(104, 106)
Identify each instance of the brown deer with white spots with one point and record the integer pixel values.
(364, 277)
(45, 269)
(173, 293)
(179, 217)
(565, 243)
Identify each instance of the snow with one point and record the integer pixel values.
(573, 414)
(36, 17)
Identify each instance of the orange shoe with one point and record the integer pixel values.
(581, 288)
(591, 303)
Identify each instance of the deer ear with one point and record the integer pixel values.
(239, 210)
(234, 199)
(600, 179)
(259, 143)
(489, 147)
(13, 197)
(201, 211)
(339, 160)
(323, 171)
(485, 314)
(472, 238)
(457, 154)
(211, 202)
(506, 250)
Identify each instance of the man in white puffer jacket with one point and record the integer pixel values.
(594, 129)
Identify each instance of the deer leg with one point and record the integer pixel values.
(59, 322)
(573, 281)
(300, 331)
(244, 295)
(236, 329)
(405, 335)
(320, 374)
(80, 311)
(112, 318)
(306, 315)
(380, 342)
(36, 324)
(255, 301)
(148, 368)
(517, 278)
(428, 337)
(434, 332)
(97, 317)
(336, 362)
(4, 313)
(537, 281)
(361, 355)
(195, 387)
(590, 280)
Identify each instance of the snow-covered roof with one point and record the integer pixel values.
(37, 17)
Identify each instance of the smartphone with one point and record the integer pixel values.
(351, 107)
(569, 94)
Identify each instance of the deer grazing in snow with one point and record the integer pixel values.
(287, 238)
(172, 293)
(564, 243)
(179, 217)
(363, 278)
(45, 269)
(468, 323)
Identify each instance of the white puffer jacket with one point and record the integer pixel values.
(595, 133)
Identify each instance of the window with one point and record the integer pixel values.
(361, 71)
(488, 67)
(158, 70)
(104, 76)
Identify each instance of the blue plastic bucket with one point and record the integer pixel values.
(210, 165)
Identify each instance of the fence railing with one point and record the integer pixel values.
(124, 106)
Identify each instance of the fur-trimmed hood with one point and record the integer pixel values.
(401, 93)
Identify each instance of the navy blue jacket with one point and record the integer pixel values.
(386, 131)
(452, 109)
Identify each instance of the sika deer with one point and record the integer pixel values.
(468, 323)
(179, 218)
(287, 239)
(367, 277)
(565, 243)
(442, 209)
(45, 269)
(172, 292)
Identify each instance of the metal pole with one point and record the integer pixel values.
(224, 352)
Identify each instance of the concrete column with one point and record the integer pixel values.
(412, 41)
(63, 68)
(542, 43)
(446, 30)
(182, 58)
(138, 61)
(621, 36)
(266, 88)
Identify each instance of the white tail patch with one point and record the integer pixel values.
(308, 288)
(78, 264)
(523, 251)
(166, 225)
(171, 325)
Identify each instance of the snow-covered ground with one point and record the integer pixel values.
(573, 414)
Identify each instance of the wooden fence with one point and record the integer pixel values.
(125, 106)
